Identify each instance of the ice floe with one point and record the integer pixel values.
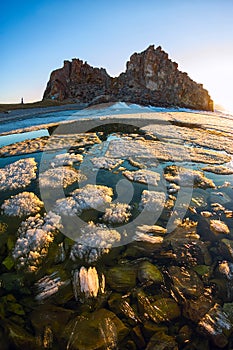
(52, 143)
(18, 174)
(94, 241)
(87, 197)
(22, 204)
(187, 177)
(106, 163)
(143, 176)
(34, 237)
(220, 169)
(66, 159)
(117, 213)
(60, 177)
(154, 151)
(152, 201)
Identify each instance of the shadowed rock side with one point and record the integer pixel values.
(151, 78)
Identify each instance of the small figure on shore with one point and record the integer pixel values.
(22, 100)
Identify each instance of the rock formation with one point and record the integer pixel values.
(151, 78)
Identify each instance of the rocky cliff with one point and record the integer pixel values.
(151, 78)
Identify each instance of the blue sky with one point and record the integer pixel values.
(37, 36)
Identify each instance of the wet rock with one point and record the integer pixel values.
(219, 227)
(216, 325)
(99, 330)
(120, 305)
(162, 341)
(121, 278)
(166, 309)
(186, 282)
(149, 273)
(138, 337)
(195, 309)
(225, 248)
(52, 316)
(20, 338)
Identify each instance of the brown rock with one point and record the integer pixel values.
(150, 78)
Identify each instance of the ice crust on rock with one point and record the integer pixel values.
(60, 177)
(87, 197)
(143, 176)
(66, 159)
(22, 204)
(117, 213)
(87, 282)
(106, 163)
(18, 174)
(94, 241)
(48, 286)
(219, 227)
(34, 237)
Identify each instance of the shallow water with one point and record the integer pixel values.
(194, 266)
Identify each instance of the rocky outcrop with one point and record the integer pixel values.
(151, 78)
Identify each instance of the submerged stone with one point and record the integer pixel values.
(148, 272)
(216, 325)
(162, 341)
(100, 330)
(121, 278)
(186, 282)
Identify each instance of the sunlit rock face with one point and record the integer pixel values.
(150, 78)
